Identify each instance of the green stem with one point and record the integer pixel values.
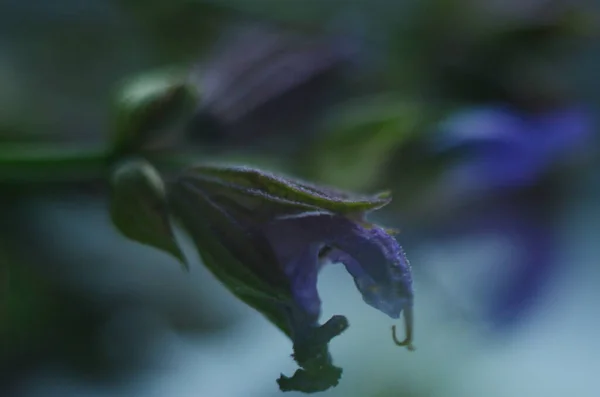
(48, 164)
(60, 163)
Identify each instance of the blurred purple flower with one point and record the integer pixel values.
(510, 149)
(507, 155)
(262, 83)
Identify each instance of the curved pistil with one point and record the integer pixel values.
(408, 323)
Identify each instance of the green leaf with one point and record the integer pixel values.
(139, 209)
(361, 139)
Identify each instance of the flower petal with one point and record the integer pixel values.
(375, 260)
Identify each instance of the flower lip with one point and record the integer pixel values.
(378, 265)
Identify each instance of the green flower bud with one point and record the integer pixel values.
(138, 207)
(148, 103)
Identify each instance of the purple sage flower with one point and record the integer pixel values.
(266, 238)
(264, 85)
(508, 155)
(512, 149)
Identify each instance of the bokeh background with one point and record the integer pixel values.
(479, 116)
